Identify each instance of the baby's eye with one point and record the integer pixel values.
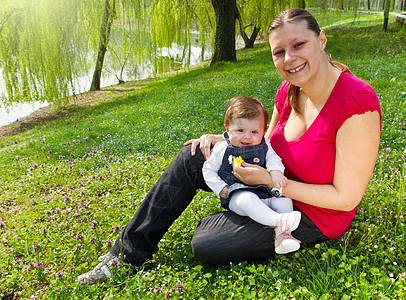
(240, 130)
(255, 132)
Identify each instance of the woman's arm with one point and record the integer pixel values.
(206, 141)
(357, 145)
(272, 124)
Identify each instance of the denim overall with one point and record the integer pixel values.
(252, 155)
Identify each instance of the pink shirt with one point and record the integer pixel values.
(311, 158)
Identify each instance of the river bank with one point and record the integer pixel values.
(75, 103)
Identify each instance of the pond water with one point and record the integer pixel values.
(109, 77)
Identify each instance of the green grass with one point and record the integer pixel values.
(68, 186)
(330, 19)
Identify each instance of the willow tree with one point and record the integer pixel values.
(48, 46)
(173, 19)
(255, 16)
(226, 12)
(35, 53)
(128, 19)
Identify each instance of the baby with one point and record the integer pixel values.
(245, 121)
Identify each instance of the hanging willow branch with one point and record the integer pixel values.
(47, 46)
(8, 16)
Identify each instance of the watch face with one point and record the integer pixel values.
(277, 192)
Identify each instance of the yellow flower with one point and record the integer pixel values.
(238, 161)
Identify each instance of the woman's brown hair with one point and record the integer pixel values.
(297, 15)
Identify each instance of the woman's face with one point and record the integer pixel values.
(297, 52)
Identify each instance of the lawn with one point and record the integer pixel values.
(68, 186)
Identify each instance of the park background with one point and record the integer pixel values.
(69, 183)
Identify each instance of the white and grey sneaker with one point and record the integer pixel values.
(102, 271)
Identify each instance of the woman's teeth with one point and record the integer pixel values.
(297, 69)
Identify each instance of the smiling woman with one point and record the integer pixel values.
(329, 156)
(325, 126)
(294, 57)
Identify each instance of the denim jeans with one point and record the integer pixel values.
(164, 203)
(218, 239)
(226, 237)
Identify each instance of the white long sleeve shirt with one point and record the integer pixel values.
(213, 164)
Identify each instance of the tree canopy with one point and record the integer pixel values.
(38, 56)
(49, 45)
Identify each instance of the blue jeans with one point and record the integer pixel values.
(218, 239)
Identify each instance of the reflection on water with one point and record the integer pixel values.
(173, 55)
(19, 111)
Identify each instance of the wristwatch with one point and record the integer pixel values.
(277, 192)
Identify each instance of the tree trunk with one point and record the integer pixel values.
(386, 15)
(226, 12)
(341, 4)
(105, 29)
(248, 41)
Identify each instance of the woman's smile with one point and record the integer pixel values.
(295, 70)
(296, 50)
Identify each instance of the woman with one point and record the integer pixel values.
(325, 126)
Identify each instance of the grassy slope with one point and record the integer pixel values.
(95, 166)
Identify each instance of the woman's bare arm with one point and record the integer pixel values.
(357, 144)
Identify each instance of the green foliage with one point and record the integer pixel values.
(37, 55)
(172, 21)
(49, 45)
(68, 187)
(46, 45)
(261, 12)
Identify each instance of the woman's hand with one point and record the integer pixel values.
(224, 192)
(252, 175)
(206, 141)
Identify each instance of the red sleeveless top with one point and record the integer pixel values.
(311, 158)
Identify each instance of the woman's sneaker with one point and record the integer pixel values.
(102, 271)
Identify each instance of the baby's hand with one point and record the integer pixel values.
(224, 192)
(278, 179)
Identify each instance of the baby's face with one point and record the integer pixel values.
(246, 132)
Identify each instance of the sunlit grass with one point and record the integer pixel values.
(68, 186)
